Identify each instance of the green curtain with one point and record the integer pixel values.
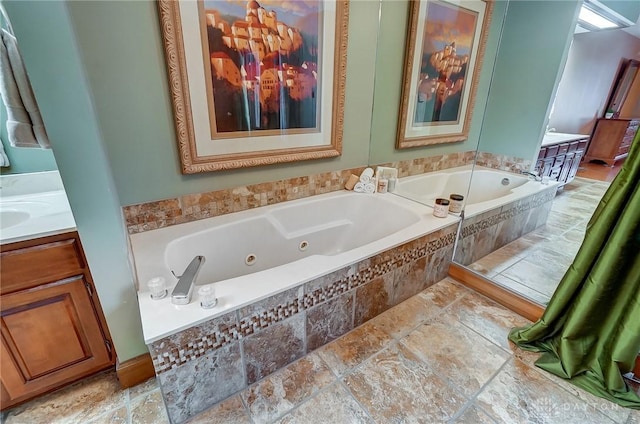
(590, 331)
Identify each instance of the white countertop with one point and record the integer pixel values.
(33, 205)
(552, 138)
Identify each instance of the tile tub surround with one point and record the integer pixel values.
(484, 233)
(237, 349)
(503, 162)
(191, 207)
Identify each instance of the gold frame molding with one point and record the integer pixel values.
(405, 142)
(191, 161)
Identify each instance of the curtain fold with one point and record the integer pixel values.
(590, 331)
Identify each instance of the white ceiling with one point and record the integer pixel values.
(634, 30)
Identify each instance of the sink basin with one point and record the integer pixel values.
(11, 218)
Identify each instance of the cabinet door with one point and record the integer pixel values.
(50, 335)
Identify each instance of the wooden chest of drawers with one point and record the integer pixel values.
(611, 140)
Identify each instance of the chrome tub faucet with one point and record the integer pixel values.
(533, 174)
(181, 294)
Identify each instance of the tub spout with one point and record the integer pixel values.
(533, 174)
(181, 294)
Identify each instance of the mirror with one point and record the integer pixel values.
(525, 243)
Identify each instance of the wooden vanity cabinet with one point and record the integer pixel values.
(612, 139)
(560, 162)
(53, 329)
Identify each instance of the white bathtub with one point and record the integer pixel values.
(338, 229)
(487, 190)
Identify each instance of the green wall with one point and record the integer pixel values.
(125, 67)
(48, 45)
(388, 88)
(23, 160)
(532, 53)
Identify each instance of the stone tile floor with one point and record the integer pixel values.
(440, 356)
(534, 264)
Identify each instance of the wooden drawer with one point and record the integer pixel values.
(559, 160)
(551, 151)
(563, 148)
(542, 152)
(28, 264)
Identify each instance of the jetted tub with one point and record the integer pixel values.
(257, 253)
(490, 188)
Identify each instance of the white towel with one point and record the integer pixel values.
(24, 123)
(370, 188)
(359, 187)
(4, 160)
(366, 176)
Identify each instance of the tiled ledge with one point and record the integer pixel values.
(192, 207)
(503, 162)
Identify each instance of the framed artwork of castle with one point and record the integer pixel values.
(255, 83)
(445, 47)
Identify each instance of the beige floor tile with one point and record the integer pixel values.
(149, 408)
(615, 412)
(487, 318)
(143, 388)
(118, 416)
(282, 391)
(494, 263)
(228, 411)
(519, 394)
(395, 386)
(352, 349)
(444, 292)
(456, 353)
(79, 403)
(521, 289)
(634, 417)
(333, 405)
(542, 277)
(473, 415)
(404, 317)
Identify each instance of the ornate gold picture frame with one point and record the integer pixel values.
(255, 85)
(445, 48)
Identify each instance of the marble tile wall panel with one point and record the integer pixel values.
(487, 232)
(191, 207)
(201, 383)
(373, 298)
(274, 347)
(409, 279)
(192, 343)
(329, 320)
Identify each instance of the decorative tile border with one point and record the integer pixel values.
(193, 343)
(192, 207)
(512, 210)
(503, 162)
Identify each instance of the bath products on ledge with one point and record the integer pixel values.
(370, 188)
(351, 182)
(383, 185)
(441, 208)
(455, 203)
(366, 176)
(392, 184)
